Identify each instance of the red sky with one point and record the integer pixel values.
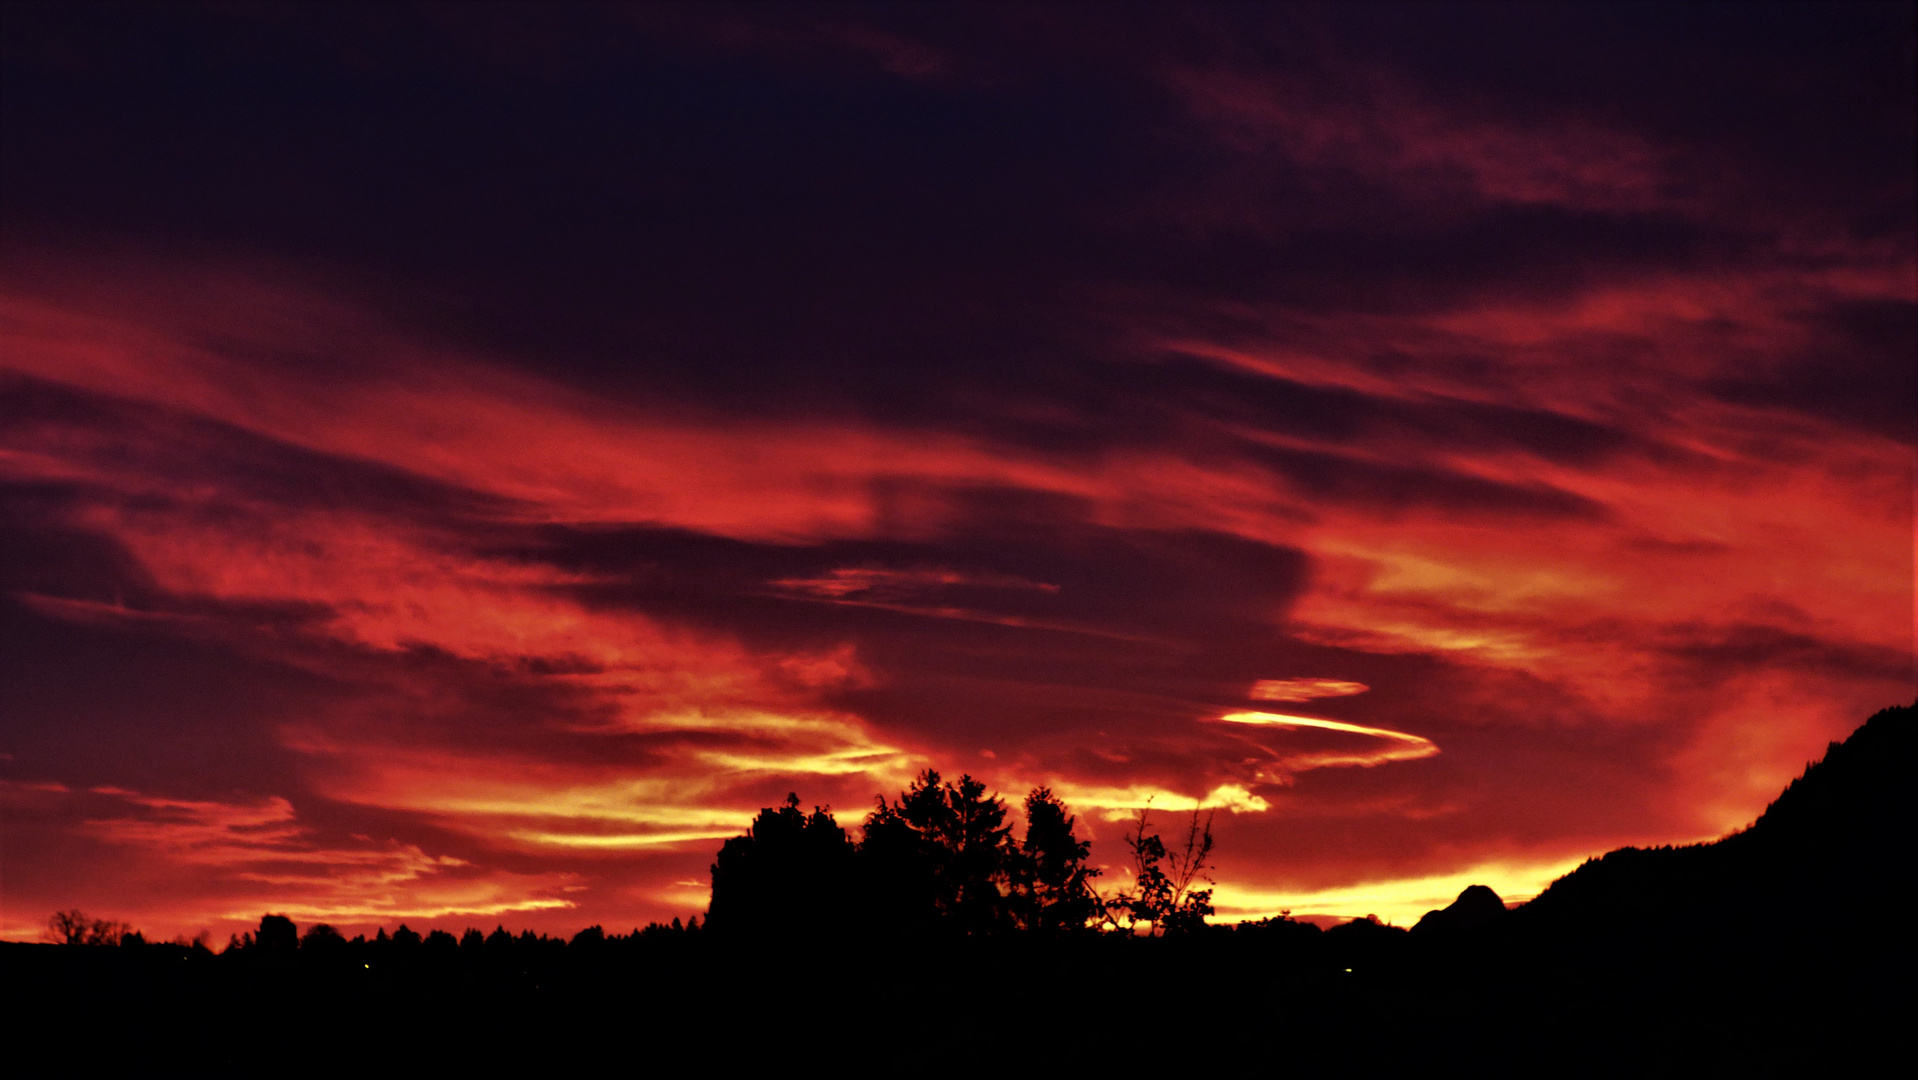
(459, 463)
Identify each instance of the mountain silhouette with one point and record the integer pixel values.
(1828, 851)
(1477, 908)
(1766, 951)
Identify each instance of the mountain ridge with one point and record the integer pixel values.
(1827, 848)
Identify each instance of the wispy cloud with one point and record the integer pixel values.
(1402, 746)
(258, 850)
(1303, 689)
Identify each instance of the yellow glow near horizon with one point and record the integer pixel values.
(622, 841)
(1400, 901)
(379, 914)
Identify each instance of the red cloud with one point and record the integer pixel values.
(187, 864)
(1385, 132)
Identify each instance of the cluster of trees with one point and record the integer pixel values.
(76, 927)
(279, 940)
(942, 857)
(278, 945)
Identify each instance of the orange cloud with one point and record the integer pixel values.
(1303, 689)
(1122, 804)
(1402, 746)
(694, 790)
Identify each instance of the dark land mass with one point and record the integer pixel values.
(1784, 948)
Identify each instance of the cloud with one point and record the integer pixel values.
(1381, 130)
(702, 780)
(866, 580)
(1402, 746)
(1303, 689)
(1123, 804)
(257, 851)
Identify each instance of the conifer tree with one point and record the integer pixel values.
(948, 844)
(1055, 887)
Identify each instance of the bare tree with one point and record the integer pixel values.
(1162, 897)
(74, 927)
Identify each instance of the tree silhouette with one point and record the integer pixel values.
(1055, 885)
(791, 873)
(277, 935)
(322, 940)
(941, 857)
(75, 927)
(948, 843)
(1162, 897)
(441, 944)
(897, 882)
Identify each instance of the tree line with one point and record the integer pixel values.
(941, 858)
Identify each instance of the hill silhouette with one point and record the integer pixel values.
(1830, 851)
(1476, 909)
(1772, 949)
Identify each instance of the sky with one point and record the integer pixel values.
(459, 462)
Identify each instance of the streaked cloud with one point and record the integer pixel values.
(1402, 746)
(260, 849)
(1303, 689)
(1123, 804)
(1381, 130)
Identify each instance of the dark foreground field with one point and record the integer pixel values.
(1275, 999)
